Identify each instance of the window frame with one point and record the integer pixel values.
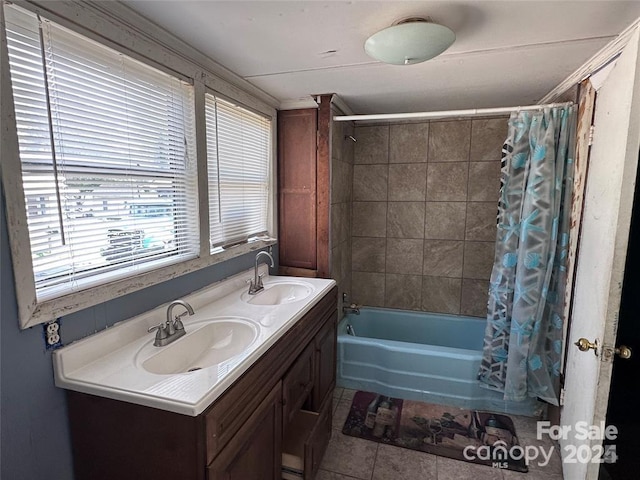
(146, 42)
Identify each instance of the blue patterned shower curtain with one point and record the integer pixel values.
(523, 338)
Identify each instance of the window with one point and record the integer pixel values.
(107, 156)
(238, 156)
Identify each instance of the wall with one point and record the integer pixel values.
(35, 436)
(424, 214)
(342, 151)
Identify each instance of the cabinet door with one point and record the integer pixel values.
(254, 453)
(326, 348)
(297, 384)
(297, 188)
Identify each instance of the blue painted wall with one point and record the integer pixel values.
(35, 441)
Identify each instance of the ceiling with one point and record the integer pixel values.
(506, 53)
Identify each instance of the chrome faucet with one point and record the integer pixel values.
(173, 328)
(352, 308)
(256, 284)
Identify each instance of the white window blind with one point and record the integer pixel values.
(108, 163)
(238, 156)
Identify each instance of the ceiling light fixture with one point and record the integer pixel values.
(409, 41)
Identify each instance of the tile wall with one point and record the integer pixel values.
(424, 213)
(342, 151)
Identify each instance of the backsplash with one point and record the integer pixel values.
(424, 214)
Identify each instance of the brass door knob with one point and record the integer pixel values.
(583, 345)
(623, 352)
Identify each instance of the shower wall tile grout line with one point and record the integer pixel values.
(455, 286)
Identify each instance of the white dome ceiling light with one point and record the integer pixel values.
(409, 41)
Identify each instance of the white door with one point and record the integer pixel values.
(601, 257)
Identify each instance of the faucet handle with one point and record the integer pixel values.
(177, 322)
(161, 331)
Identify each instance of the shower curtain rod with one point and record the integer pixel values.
(445, 113)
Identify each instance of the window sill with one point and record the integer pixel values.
(48, 310)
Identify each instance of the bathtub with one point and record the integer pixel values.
(419, 356)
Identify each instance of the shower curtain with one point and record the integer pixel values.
(523, 338)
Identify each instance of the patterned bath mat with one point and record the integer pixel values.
(469, 435)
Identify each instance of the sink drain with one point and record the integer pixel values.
(194, 369)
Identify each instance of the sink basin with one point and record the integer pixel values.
(212, 343)
(279, 293)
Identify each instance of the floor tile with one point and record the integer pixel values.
(394, 463)
(337, 392)
(348, 394)
(327, 475)
(526, 427)
(531, 475)
(449, 469)
(349, 456)
(340, 414)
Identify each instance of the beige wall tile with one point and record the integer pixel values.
(475, 295)
(369, 219)
(348, 145)
(450, 141)
(408, 182)
(367, 288)
(408, 143)
(441, 295)
(405, 220)
(487, 138)
(370, 183)
(340, 223)
(346, 257)
(445, 220)
(368, 254)
(341, 181)
(484, 182)
(336, 262)
(404, 256)
(337, 137)
(402, 291)
(372, 144)
(447, 181)
(478, 259)
(443, 258)
(481, 221)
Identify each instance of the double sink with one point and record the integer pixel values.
(228, 332)
(219, 339)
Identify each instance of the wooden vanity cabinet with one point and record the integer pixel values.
(240, 436)
(253, 452)
(326, 345)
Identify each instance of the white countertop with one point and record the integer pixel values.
(108, 363)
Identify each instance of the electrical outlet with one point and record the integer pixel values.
(52, 334)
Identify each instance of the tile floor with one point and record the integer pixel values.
(349, 458)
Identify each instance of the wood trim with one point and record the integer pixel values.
(586, 111)
(323, 186)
